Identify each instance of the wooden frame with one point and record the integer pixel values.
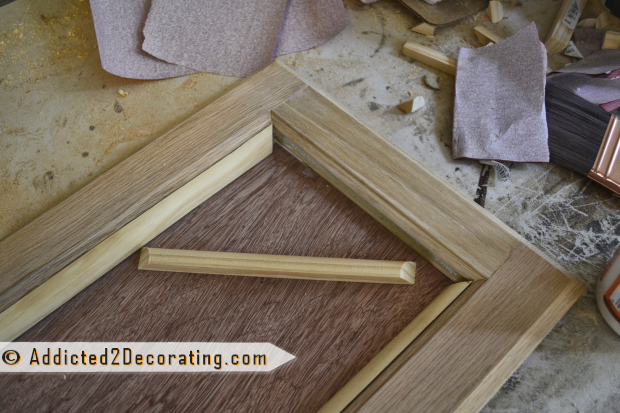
(516, 296)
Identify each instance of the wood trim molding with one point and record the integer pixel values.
(33, 254)
(405, 192)
(88, 268)
(455, 365)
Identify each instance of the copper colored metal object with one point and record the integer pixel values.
(606, 169)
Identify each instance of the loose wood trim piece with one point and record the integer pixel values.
(430, 57)
(425, 29)
(362, 379)
(486, 36)
(49, 243)
(374, 172)
(501, 320)
(564, 25)
(278, 266)
(495, 11)
(412, 105)
(611, 40)
(89, 267)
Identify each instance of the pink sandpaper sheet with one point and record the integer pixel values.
(165, 38)
(596, 78)
(499, 108)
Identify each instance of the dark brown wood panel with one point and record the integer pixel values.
(279, 207)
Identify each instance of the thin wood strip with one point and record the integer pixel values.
(49, 243)
(430, 57)
(82, 272)
(362, 379)
(278, 266)
(501, 323)
(380, 173)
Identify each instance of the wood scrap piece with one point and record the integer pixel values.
(412, 105)
(495, 11)
(278, 266)
(430, 57)
(611, 40)
(587, 23)
(486, 36)
(88, 268)
(602, 21)
(371, 370)
(425, 29)
(564, 25)
(431, 81)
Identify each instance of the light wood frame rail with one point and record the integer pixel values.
(455, 365)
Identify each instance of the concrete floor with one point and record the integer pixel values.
(63, 123)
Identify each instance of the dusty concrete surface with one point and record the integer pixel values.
(63, 122)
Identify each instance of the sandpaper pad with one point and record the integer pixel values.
(499, 108)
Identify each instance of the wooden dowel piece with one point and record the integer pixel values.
(430, 57)
(563, 26)
(278, 266)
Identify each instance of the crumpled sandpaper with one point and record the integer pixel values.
(588, 41)
(597, 90)
(602, 61)
(118, 25)
(594, 78)
(157, 39)
(308, 24)
(499, 107)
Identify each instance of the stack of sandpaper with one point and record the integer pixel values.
(155, 39)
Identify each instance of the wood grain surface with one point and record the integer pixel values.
(334, 329)
(88, 268)
(462, 359)
(278, 266)
(40, 249)
(403, 194)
